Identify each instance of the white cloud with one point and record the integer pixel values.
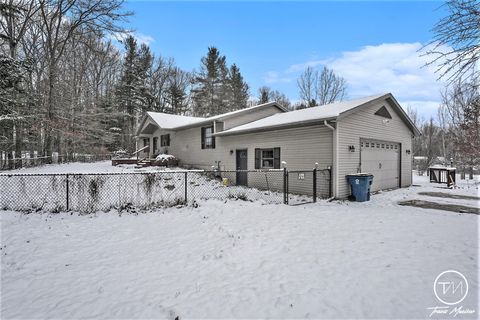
(302, 66)
(140, 37)
(143, 38)
(274, 77)
(390, 67)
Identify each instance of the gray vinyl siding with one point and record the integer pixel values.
(364, 124)
(300, 147)
(250, 116)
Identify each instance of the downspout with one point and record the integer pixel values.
(335, 158)
(328, 125)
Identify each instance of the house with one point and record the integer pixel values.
(371, 134)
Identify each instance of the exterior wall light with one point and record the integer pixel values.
(407, 151)
(351, 148)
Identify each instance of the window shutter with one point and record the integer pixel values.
(276, 158)
(168, 140)
(203, 138)
(213, 142)
(258, 155)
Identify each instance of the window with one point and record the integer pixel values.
(267, 158)
(165, 140)
(378, 145)
(155, 144)
(146, 142)
(208, 140)
(383, 145)
(388, 146)
(367, 144)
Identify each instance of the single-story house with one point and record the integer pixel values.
(370, 135)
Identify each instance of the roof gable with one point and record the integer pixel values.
(383, 112)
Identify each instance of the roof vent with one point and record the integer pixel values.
(383, 112)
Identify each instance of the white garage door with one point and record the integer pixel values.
(382, 159)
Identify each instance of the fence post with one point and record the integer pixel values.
(186, 187)
(67, 187)
(285, 185)
(315, 185)
(330, 182)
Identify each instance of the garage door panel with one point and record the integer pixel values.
(381, 158)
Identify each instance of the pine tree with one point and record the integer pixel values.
(210, 84)
(239, 89)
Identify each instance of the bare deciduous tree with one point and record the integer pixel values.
(461, 109)
(307, 84)
(331, 87)
(455, 47)
(321, 88)
(266, 94)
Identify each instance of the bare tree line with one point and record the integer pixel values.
(66, 87)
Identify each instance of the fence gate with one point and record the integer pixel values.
(306, 186)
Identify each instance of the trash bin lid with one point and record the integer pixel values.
(359, 174)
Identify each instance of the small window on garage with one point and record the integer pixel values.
(396, 147)
(361, 144)
(367, 144)
(383, 145)
(378, 145)
(388, 146)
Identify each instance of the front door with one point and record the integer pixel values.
(242, 164)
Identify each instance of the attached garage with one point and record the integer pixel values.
(382, 159)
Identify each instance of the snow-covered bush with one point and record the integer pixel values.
(119, 154)
(166, 160)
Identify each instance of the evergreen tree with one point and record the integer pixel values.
(208, 84)
(263, 94)
(239, 89)
(177, 95)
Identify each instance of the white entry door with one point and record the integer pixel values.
(382, 159)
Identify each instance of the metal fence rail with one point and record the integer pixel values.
(143, 190)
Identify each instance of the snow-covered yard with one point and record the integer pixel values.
(237, 259)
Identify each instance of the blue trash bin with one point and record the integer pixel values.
(360, 186)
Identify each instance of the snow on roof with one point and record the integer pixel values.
(236, 112)
(328, 111)
(171, 121)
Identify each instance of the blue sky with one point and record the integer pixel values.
(374, 45)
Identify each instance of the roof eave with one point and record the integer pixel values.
(275, 127)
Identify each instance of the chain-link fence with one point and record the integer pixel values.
(306, 186)
(27, 161)
(105, 191)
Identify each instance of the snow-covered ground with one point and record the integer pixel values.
(85, 167)
(237, 259)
